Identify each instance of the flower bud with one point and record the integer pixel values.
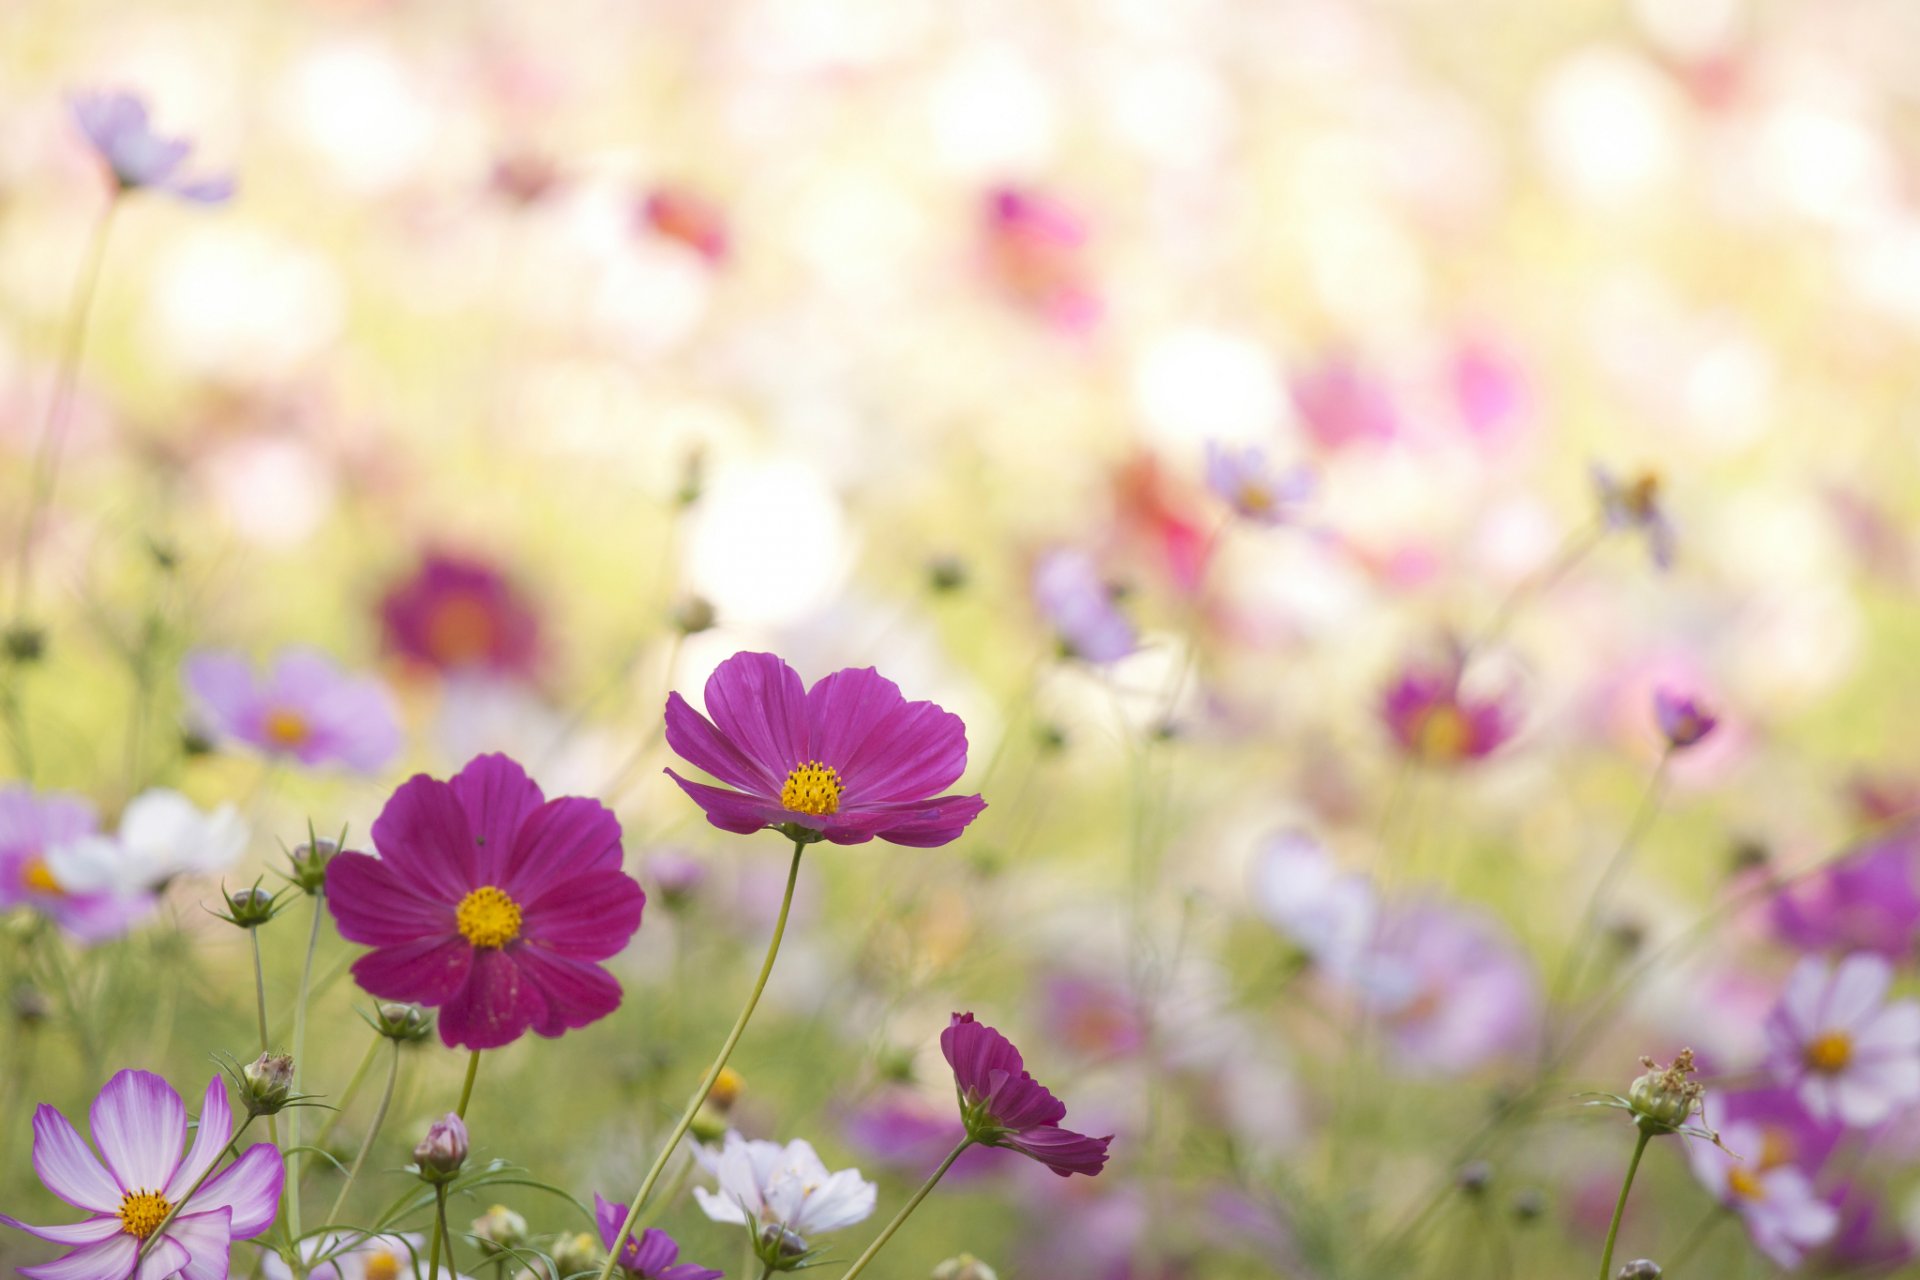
(1474, 1177)
(1664, 1099)
(964, 1267)
(694, 615)
(310, 861)
(1528, 1205)
(1641, 1269)
(500, 1229)
(576, 1253)
(726, 1089)
(780, 1249)
(266, 1083)
(405, 1023)
(30, 1006)
(444, 1149)
(709, 1124)
(249, 908)
(1683, 721)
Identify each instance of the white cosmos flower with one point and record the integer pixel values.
(162, 835)
(786, 1189)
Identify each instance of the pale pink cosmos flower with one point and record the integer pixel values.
(1851, 1054)
(1782, 1212)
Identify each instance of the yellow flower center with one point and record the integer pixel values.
(37, 876)
(488, 918)
(287, 728)
(1642, 495)
(1443, 734)
(812, 788)
(461, 629)
(382, 1266)
(142, 1212)
(1776, 1147)
(1830, 1052)
(1745, 1184)
(1256, 498)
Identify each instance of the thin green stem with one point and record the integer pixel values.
(373, 1131)
(299, 1065)
(260, 1009)
(439, 1231)
(466, 1090)
(713, 1072)
(233, 1145)
(926, 1189)
(1620, 1206)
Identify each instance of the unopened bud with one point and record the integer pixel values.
(1528, 1205)
(694, 615)
(946, 574)
(30, 1006)
(964, 1267)
(310, 861)
(1474, 1177)
(500, 1229)
(576, 1253)
(709, 1124)
(266, 1083)
(249, 908)
(1641, 1269)
(677, 877)
(405, 1023)
(444, 1149)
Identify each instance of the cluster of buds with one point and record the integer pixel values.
(441, 1154)
(710, 1122)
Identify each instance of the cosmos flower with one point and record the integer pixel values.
(305, 708)
(489, 902)
(1078, 604)
(650, 1255)
(1435, 721)
(1866, 901)
(385, 1257)
(1789, 1133)
(37, 834)
(1036, 252)
(784, 1193)
(1783, 1214)
(1326, 912)
(1093, 1015)
(1452, 989)
(162, 835)
(1340, 404)
(688, 219)
(1851, 1054)
(847, 761)
(140, 1124)
(1002, 1106)
(1247, 480)
(116, 125)
(1489, 390)
(1634, 505)
(456, 613)
(1683, 721)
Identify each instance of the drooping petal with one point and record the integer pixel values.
(738, 813)
(140, 1125)
(758, 702)
(587, 917)
(209, 1140)
(573, 992)
(375, 904)
(92, 1231)
(884, 747)
(250, 1186)
(1062, 1150)
(563, 838)
(423, 835)
(495, 1006)
(110, 1260)
(498, 797)
(430, 971)
(694, 739)
(920, 824)
(208, 1239)
(976, 1051)
(68, 1168)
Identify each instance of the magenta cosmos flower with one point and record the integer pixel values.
(847, 761)
(460, 614)
(1683, 719)
(35, 830)
(651, 1255)
(139, 1124)
(1002, 1106)
(1435, 721)
(116, 125)
(491, 903)
(304, 708)
(1342, 404)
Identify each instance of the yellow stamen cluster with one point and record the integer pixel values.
(382, 1266)
(1444, 733)
(812, 788)
(286, 728)
(1745, 1184)
(142, 1212)
(36, 875)
(488, 918)
(1830, 1052)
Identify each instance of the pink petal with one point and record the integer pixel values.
(209, 1139)
(92, 1231)
(499, 797)
(424, 838)
(140, 1125)
(564, 838)
(695, 740)
(976, 1052)
(740, 814)
(922, 824)
(429, 971)
(250, 1186)
(68, 1167)
(587, 917)
(758, 702)
(373, 904)
(165, 1257)
(112, 1260)
(208, 1239)
(1062, 1150)
(495, 1006)
(575, 992)
(884, 747)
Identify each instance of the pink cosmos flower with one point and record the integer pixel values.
(1036, 251)
(34, 830)
(1341, 404)
(1852, 1055)
(1866, 901)
(688, 219)
(1435, 721)
(1247, 480)
(1683, 720)
(1002, 1106)
(1490, 391)
(116, 125)
(1074, 599)
(1783, 1214)
(650, 1255)
(1452, 988)
(305, 708)
(847, 761)
(139, 1124)
(458, 613)
(490, 903)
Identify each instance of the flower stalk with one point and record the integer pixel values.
(906, 1210)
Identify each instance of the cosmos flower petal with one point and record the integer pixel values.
(758, 702)
(574, 993)
(165, 1257)
(924, 824)
(427, 971)
(423, 835)
(110, 1260)
(1859, 984)
(222, 683)
(884, 747)
(209, 1140)
(92, 1231)
(374, 904)
(718, 1207)
(976, 1051)
(694, 739)
(1062, 1150)
(588, 917)
(498, 798)
(566, 837)
(250, 1186)
(68, 1168)
(208, 1238)
(736, 812)
(844, 1199)
(140, 1125)
(495, 1007)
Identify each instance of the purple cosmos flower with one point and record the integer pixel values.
(1851, 1055)
(1682, 719)
(36, 831)
(116, 124)
(1783, 1214)
(1341, 404)
(139, 1124)
(1096, 1016)
(1864, 1241)
(456, 613)
(1247, 480)
(305, 708)
(846, 761)
(1435, 721)
(489, 902)
(1078, 604)
(1789, 1133)
(1451, 987)
(1002, 1106)
(1635, 505)
(1036, 251)
(651, 1255)
(1866, 901)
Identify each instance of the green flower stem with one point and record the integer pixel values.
(466, 1090)
(233, 1145)
(299, 1063)
(260, 1008)
(1620, 1206)
(906, 1210)
(713, 1072)
(373, 1132)
(439, 1231)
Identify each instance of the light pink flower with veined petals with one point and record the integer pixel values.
(1851, 1054)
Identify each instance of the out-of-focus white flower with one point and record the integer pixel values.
(162, 835)
(1326, 912)
(783, 1190)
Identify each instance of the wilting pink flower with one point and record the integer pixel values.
(847, 761)
(117, 127)
(687, 219)
(305, 708)
(1002, 1106)
(35, 833)
(1683, 721)
(1341, 404)
(1451, 987)
(1036, 251)
(140, 1124)
(1247, 480)
(1634, 505)
(1852, 1055)
(1783, 1214)
(491, 903)
(1866, 901)
(1078, 604)
(1435, 721)
(650, 1255)
(456, 613)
